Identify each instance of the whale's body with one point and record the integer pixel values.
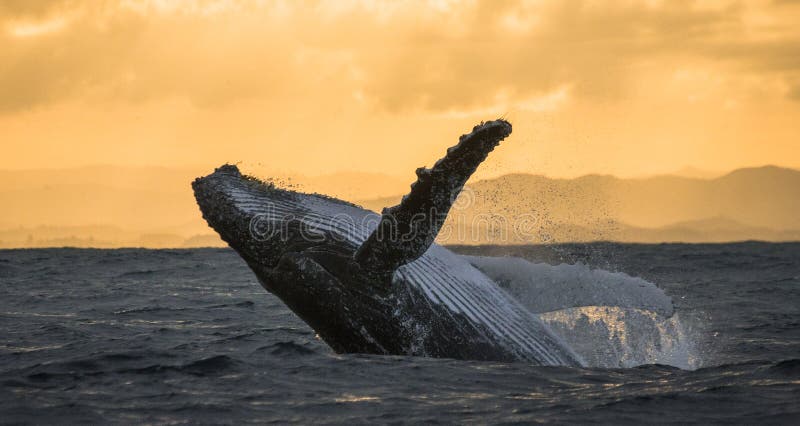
(305, 248)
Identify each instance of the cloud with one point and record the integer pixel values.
(126, 55)
(437, 56)
(28, 8)
(794, 93)
(599, 48)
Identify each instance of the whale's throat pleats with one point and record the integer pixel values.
(406, 230)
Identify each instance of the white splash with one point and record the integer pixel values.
(610, 319)
(615, 337)
(545, 288)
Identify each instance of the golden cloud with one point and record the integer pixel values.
(439, 56)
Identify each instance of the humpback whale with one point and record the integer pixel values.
(377, 283)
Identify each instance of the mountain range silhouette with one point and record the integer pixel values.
(110, 206)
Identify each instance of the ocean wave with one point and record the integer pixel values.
(242, 304)
(288, 348)
(788, 367)
(147, 273)
(147, 309)
(213, 365)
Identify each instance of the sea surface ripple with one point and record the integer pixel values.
(188, 336)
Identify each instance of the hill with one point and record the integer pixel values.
(108, 206)
(754, 203)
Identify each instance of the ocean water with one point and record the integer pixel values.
(188, 336)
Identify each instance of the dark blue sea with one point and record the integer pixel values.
(134, 336)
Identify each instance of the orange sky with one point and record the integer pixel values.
(622, 87)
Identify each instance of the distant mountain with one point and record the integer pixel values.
(754, 203)
(100, 237)
(107, 206)
(151, 199)
(763, 197)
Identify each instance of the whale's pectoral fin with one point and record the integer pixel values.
(407, 230)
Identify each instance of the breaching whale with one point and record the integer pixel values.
(378, 284)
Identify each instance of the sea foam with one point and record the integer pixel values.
(611, 319)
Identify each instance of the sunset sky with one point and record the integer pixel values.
(629, 88)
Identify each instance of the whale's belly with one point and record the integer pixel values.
(452, 283)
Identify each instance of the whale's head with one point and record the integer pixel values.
(263, 222)
(301, 247)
